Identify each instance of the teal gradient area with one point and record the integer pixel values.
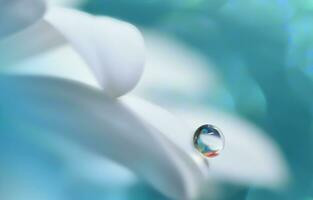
(263, 52)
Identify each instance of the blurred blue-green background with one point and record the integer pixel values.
(262, 51)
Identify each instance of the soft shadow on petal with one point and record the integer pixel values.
(16, 15)
(23, 46)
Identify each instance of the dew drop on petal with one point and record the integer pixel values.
(208, 140)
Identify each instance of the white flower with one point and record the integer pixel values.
(144, 137)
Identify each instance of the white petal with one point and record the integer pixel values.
(110, 127)
(114, 50)
(249, 158)
(16, 15)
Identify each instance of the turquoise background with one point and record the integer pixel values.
(264, 53)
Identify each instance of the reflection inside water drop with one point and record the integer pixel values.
(208, 140)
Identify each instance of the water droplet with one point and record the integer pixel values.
(208, 140)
